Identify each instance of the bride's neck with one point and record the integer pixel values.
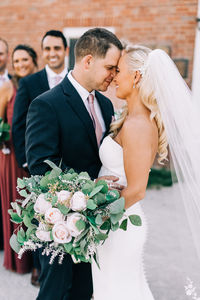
(135, 105)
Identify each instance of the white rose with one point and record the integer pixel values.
(42, 233)
(78, 201)
(42, 205)
(53, 215)
(61, 233)
(71, 223)
(64, 197)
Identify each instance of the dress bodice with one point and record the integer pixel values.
(111, 155)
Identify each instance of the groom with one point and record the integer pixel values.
(68, 123)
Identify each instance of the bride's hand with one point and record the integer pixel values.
(111, 182)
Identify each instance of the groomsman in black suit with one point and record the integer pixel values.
(54, 48)
(68, 123)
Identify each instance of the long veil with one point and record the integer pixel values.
(180, 242)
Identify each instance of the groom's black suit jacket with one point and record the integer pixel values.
(59, 127)
(29, 88)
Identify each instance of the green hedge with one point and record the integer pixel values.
(159, 177)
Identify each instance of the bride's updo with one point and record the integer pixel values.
(137, 59)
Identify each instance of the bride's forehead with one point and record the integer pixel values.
(122, 60)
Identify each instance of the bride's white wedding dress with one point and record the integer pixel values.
(121, 276)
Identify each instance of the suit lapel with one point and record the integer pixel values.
(43, 80)
(75, 101)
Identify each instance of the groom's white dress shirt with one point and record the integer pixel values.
(84, 95)
(54, 78)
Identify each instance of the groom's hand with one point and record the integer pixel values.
(111, 182)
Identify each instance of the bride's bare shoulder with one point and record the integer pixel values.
(139, 127)
(137, 124)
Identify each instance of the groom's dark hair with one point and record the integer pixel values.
(96, 42)
(56, 33)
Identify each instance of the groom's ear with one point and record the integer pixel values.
(87, 60)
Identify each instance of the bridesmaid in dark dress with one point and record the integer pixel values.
(24, 61)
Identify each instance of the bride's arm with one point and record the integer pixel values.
(139, 149)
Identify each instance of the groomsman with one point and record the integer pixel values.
(54, 49)
(68, 124)
(4, 76)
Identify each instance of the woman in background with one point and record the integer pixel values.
(24, 61)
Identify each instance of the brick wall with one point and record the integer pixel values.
(166, 23)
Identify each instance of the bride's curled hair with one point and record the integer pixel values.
(137, 59)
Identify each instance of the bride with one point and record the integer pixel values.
(159, 113)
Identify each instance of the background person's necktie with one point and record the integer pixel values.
(57, 79)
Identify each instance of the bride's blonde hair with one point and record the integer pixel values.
(136, 58)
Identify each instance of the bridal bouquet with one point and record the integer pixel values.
(4, 131)
(66, 213)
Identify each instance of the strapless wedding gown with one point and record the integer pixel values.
(121, 275)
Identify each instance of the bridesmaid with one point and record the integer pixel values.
(24, 61)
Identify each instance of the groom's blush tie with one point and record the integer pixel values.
(96, 123)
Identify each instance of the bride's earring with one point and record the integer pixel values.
(134, 85)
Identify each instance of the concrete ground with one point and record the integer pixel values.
(165, 279)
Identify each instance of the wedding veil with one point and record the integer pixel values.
(182, 125)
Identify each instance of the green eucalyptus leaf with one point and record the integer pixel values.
(20, 238)
(106, 225)
(15, 218)
(104, 190)
(135, 220)
(54, 200)
(98, 220)
(114, 227)
(116, 218)
(68, 247)
(51, 235)
(87, 188)
(15, 245)
(91, 205)
(30, 231)
(53, 166)
(23, 193)
(96, 190)
(80, 225)
(20, 183)
(117, 206)
(16, 207)
(85, 175)
(96, 259)
(78, 250)
(54, 174)
(101, 236)
(68, 176)
(112, 195)
(44, 181)
(123, 225)
(63, 209)
(83, 244)
(99, 198)
(27, 221)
